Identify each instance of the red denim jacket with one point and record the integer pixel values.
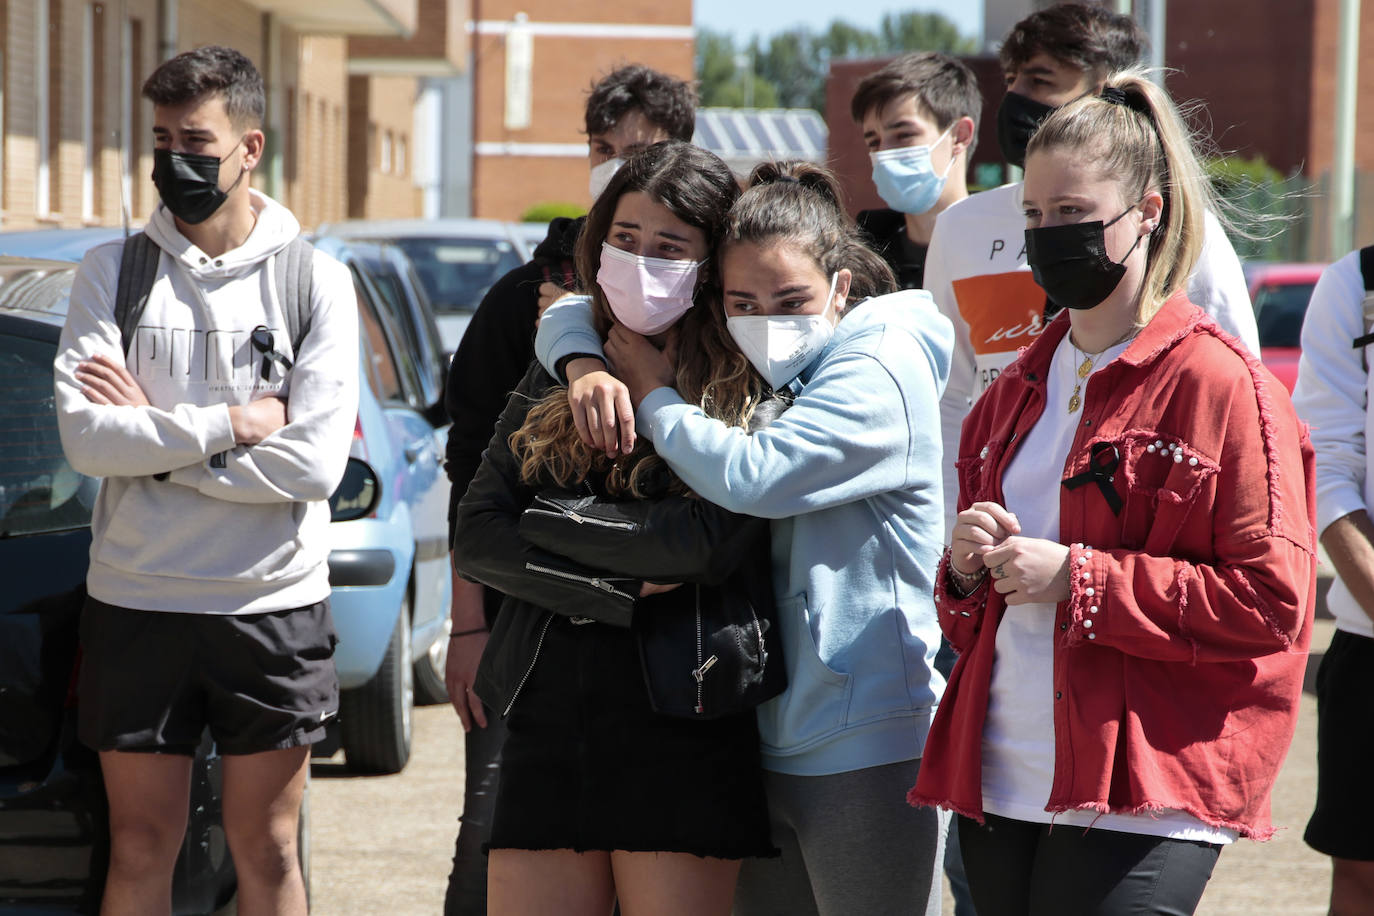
(1181, 650)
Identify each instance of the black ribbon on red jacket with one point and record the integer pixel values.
(1103, 461)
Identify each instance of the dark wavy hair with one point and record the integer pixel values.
(799, 203)
(211, 70)
(1090, 37)
(944, 87)
(699, 189)
(665, 101)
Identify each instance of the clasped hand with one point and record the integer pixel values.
(603, 404)
(1026, 570)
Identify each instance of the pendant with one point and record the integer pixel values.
(1075, 402)
(1085, 368)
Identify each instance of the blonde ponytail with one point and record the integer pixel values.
(1133, 132)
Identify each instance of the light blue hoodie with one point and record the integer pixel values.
(851, 476)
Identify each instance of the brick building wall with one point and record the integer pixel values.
(381, 152)
(72, 111)
(317, 172)
(222, 22)
(1252, 73)
(574, 44)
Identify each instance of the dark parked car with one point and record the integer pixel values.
(54, 830)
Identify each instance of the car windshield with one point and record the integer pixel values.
(39, 491)
(457, 272)
(1279, 310)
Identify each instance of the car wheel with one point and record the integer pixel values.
(375, 719)
(429, 671)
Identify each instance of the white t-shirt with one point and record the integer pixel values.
(1018, 735)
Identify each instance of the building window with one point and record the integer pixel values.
(401, 158)
(386, 153)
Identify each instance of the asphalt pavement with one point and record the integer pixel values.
(384, 844)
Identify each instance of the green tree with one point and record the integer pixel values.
(923, 32)
(721, 80)
(793, 63)
(789, 69)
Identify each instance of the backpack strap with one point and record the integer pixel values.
(137, 272)
(294, 276)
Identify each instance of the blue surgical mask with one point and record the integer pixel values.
(906, 180)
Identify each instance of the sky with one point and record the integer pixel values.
(745, 18)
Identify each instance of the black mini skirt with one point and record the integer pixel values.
(588, 765)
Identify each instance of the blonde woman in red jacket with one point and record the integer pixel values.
(1131, 577)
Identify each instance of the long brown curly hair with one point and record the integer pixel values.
(699, 189)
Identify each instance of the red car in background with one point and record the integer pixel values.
(1280, 293)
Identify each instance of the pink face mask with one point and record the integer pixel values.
(647, 295)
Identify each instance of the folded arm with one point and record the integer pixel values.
(669, 539)
(121, 439)
(305, 459)
(488, 547)
(848, 436)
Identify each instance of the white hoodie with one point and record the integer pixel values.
(247, 537)
(1333, 396)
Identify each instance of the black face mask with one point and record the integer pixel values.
(1017, 119)
(189, 184)
(1070, 263)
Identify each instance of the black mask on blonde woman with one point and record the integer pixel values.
(1070, 263)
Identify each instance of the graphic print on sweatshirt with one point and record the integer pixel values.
(1004, 313)
(221, 360)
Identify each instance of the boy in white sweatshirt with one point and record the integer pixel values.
(219, 447)
(1332, 395)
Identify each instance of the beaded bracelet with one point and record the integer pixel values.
(966, 583)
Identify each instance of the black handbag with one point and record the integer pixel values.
(708, 654)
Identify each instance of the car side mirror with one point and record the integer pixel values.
(357, 494)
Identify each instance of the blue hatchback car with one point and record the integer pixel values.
(390, 570)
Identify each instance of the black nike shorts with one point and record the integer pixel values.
(154, 680)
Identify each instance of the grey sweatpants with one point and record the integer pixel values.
(850, 844)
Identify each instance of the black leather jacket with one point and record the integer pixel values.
(598, 571)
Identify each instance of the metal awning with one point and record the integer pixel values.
(744, 137)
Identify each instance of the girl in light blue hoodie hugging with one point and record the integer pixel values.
(850, 477)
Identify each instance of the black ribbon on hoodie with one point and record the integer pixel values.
(263, 342)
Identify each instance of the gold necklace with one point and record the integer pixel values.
(1085, 368)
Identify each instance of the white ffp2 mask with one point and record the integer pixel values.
(781, 346)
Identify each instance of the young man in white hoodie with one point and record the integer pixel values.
(1333, 396)
(219, 445)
